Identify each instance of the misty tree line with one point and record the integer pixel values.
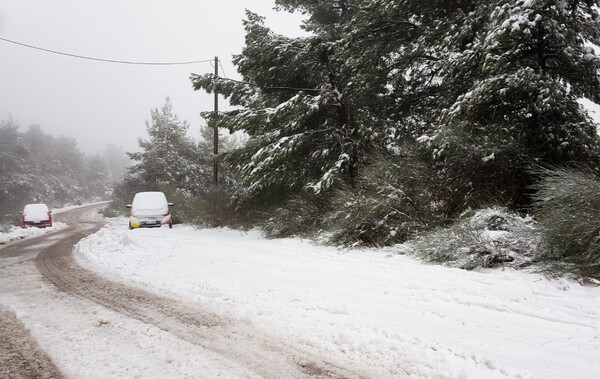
(37, 167)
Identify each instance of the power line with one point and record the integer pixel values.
(104, 60)
(158, 64)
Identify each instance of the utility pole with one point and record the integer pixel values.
(216, 131)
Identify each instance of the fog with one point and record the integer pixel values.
(98, 103)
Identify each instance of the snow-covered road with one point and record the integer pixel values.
(291, 308)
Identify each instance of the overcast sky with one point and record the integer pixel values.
(98, 103)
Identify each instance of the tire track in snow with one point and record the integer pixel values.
(20, 356)
(234, 340)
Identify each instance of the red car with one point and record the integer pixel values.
(36, 215)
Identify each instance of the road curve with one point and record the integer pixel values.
(236, 341)
(20, 355)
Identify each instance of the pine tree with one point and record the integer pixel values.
(490, 87)
(307, 127)
(520, 68)
(169, 158)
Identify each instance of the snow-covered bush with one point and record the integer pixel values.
(212, 208)
(486, 238)
(567, 206)
(300, 216)
(393, 198)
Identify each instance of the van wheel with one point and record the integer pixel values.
(170, 225)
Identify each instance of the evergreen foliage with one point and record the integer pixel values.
(519, 68)
(300, 215)
(394, 198)
(304, 132)
(169, 157)
(567, 204)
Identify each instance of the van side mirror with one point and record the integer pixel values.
(128, 205)
(171, 204)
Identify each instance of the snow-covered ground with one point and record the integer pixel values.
(17, 233)
(368, 310)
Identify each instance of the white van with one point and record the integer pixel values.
(150, 209)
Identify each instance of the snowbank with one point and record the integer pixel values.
(17, 233)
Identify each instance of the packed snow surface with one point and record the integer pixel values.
(371, 311)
